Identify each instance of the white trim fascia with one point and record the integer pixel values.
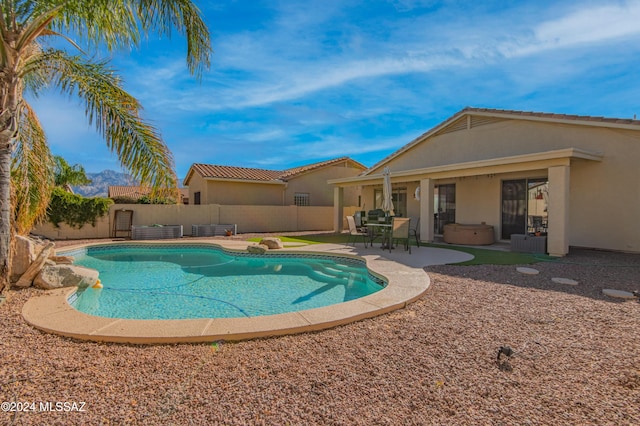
(567, 153)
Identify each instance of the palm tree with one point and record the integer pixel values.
(67, 175)
(27, 63)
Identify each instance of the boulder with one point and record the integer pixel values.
(257, 249)
(272, 243)
(34, 268)
(62, 260)
(58, 276)
(26, 251)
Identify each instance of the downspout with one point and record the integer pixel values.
(284, 191)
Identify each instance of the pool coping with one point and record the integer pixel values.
(52, 313)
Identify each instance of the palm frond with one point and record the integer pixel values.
(114, 112)
(111, 23)
(121, 24)
(35, 28)
(186, 18)
(31, 173)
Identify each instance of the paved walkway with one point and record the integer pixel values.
(419, 257)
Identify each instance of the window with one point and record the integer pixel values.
(301, 199)
(196, 197)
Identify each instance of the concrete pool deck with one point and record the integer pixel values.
(407, 281)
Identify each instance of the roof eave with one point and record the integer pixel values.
(413, 174)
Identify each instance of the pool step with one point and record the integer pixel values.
(347, 268)
(332, 275)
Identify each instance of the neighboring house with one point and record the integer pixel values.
(574, 178)
(302, 186)
(134, 193)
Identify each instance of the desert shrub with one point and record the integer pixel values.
(76, 210)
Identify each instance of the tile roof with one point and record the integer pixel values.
(309, 167)
(212, 171)
(136, 192)
(127, 191)
(232, 172)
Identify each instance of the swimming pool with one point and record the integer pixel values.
(158, 281)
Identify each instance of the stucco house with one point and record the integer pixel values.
(574, 178)
(302, 186)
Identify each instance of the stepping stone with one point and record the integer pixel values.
(564, 281)
(618, 293)
(528, 271)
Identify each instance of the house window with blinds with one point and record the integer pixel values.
(301, 199)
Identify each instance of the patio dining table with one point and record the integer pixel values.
(383, 229)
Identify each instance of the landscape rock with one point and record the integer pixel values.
(26, 251)
(34, 268)
(51, 277)
(62, 260)
(272, 243)
(257, 249)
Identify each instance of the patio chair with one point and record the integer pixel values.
(414, 231)
(355, 232)
(122, 221)
(400, 231)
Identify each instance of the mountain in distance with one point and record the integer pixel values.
(100, 183)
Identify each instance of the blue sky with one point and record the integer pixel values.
(295, 82)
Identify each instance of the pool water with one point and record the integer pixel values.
(180, 282)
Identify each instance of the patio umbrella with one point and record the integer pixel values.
(387, 202)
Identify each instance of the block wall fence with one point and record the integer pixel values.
(247, 218)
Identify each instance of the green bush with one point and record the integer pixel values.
(145, 199)
(76, 210)
(124, 200)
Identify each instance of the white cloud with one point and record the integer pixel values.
(581, 28)
(421, 46)
(303, 80)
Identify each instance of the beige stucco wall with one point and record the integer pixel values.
(244, 193)
(508, 138)
(247, 219)
(197, 184)
(315, 183)
(604, 195)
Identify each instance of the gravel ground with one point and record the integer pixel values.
(576, 361)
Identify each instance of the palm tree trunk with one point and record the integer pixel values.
(8, 129)
(5, 210)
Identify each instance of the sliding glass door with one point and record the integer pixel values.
(514, 207)
(524, 207)
(445, 206)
